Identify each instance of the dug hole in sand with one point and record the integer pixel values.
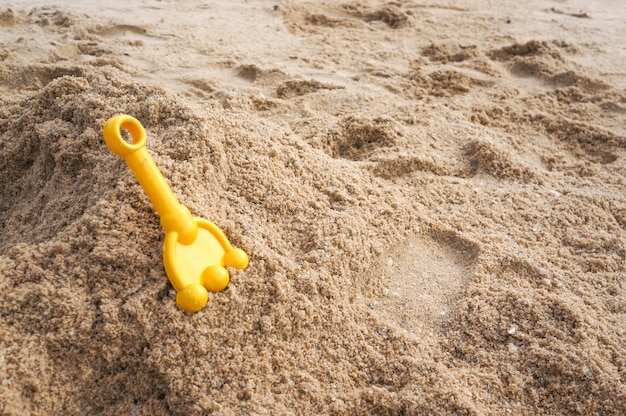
(432, 197)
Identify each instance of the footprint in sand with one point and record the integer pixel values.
(422, 278)
(37, 76)
(358, 138)
(355, 16)
(546, 64)
(126, 32)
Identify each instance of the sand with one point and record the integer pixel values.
(432, 195)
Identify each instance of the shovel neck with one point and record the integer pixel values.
(182, 222)
(175, 217)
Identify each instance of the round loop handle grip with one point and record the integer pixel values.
(113, 135)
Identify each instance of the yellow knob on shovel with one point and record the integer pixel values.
(196, 251)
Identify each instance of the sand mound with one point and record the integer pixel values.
(83, 270)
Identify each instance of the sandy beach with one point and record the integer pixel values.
(432, 195)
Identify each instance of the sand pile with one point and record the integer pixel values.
(83, 271)
(432, 229)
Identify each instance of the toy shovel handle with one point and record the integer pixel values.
(174, 216)
(113, 135)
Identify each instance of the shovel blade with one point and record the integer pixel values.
(197, 268)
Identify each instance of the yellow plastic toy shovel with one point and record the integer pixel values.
(195, 251)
